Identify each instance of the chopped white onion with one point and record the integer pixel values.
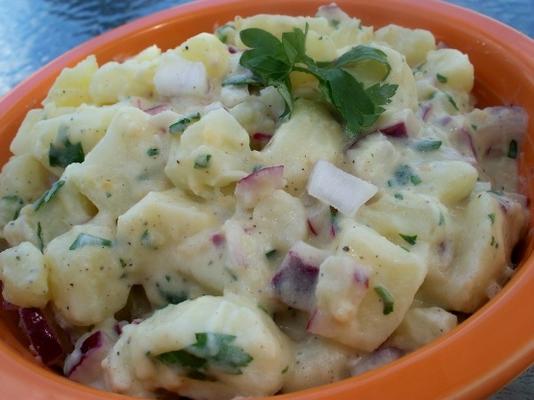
(341, 190)
(177, 76)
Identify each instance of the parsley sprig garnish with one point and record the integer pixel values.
(272, 60)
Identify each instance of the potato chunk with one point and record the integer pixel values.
(147, 356)
(24, 275)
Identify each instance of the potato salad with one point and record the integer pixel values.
(284, 203)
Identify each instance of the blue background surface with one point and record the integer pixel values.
(33, 32)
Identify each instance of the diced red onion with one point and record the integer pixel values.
(311, 227)
(84, 363)
(360, 277)
(156, 109)
(426, 108)
(232, 50)
(376, 359)
(333, 230)
(444, 121)
(43, 339)
(259, 184)
(469, 141)
(217, 239)
(398, 130)
(343, 191)
(262, 137)
(399, 124)
(117, 328)
(320, 221)
(294, 282)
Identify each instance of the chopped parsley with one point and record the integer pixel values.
(410, 239)
(172, 297)
(415, 180)
(272, 60)
(492, 218)
(398, 196)
(152, 152)
(146, 240)
(214, 351)
(222, 32)
(403, 175)
(48, 195)
(441, 78)
(474, 127)
(451, 100)
(65, 152)
(12, 204)
(86, 239)
(512, 149)
(441, 219)
(202, 161)
(387, 299)
(179, 126)
(241, 80)
(427, 145)
(334, 23)
(271, 253)
(40, 236)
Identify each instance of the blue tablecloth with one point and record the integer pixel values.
(33, 32)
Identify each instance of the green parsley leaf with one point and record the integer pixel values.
(152, 152)
(202, 161)
(86, 239)
(427, 145)
(362, 55)
(387, 299)
(512, 149)
(180, 125)
(11, 205)
(65, 153)
(48, 195)
(211, 350)
(399, 196)
(492, 218)
(410, 239)
(441, 78)
(272, 60)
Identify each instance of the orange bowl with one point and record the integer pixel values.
(474, 360)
